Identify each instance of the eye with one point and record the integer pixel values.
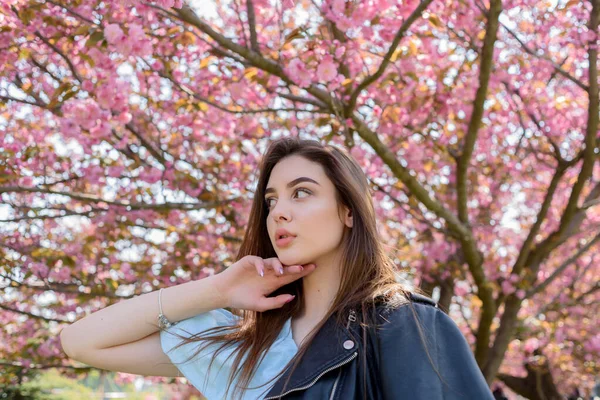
(306, 191)
(302, 190)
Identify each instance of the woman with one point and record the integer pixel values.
(311, 309)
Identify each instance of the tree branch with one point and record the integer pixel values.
(40, 366)
(186, 14)
(149, 146)
(558, 271)
(44, 68)
(81, 17)
(388, 57)
(131, 206)
(529, 244)
(556, 67)
(301, 99)
(410, 210)
(252, 25)
(241, 110)
(9, 98)
(34, 315)
(45, 217)
(487, 60)
(567, 222)
(473, 257)
(56, 288)
(61, 54)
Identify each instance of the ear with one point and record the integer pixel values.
(348, 217)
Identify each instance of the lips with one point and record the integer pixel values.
(284, 241)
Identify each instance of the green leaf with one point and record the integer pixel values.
(72, 93)
(24, 53)
(82, 30)
(27, 15)
(94, 38)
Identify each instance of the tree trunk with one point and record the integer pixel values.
(537, 385)
(446, 293)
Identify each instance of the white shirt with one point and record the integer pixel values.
(213, 384)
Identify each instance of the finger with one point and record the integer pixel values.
(306, 269)
(293, 269)
(278, 266)
(275, 265)
(269, 303)
(259, 265)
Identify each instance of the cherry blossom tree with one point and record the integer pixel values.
(131, 131)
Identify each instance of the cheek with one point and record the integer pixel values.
(323, 227)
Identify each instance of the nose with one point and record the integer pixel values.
(280, 213)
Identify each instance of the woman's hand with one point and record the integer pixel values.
(247, 283)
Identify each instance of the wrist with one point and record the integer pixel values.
(220, 285)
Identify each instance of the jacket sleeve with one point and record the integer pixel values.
(407, 371)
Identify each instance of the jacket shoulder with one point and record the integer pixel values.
(423, 351)
(399, 301)
(421, 299)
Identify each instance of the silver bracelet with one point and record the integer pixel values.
(163, 322)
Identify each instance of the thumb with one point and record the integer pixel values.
(269, 303)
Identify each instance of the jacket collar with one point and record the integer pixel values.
(332, 345)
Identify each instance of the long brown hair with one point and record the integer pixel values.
(368, 273)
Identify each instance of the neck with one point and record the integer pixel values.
(320, 288)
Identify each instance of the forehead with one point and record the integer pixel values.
(294, 166)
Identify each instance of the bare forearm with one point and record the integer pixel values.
(136, 318)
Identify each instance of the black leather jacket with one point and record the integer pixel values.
(397, 365)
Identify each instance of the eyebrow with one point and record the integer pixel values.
(294, 183)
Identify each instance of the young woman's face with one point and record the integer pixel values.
(301, 200)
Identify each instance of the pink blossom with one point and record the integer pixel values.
(69, 128)
(39, 269)
(236, 89)
(461, 289)
(86, 113)
(100, 60)
(104, 95)
(531, 344)
(327, 70)
(299, 73)
(114, 34)
(102, 130)
(140, 44)
(151, 176)
(62, 274)
(124, 117)
(338, 6)
(507, 287)
(344, 23)
(88, 86)
(593, 345)
(169, 3)
(116, 171)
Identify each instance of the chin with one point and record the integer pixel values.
(291, 259)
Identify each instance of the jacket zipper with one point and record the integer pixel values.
(335, 385)
(346, 361)
(351, 318)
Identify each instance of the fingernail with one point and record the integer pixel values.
(290, 299)
(262, 273)
(281, 271)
